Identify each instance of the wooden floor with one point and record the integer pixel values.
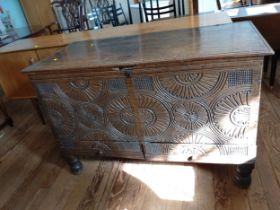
(34, 176)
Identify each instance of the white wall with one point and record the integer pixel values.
(207, 6)
(16, 13)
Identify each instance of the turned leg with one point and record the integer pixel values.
(74, 163)
(243, 174)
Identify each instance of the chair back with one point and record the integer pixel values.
(94, 17)
(115, 14)
(154, 10)
(69, 15)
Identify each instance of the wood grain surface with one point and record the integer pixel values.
(32, 173)
(60, 40)
(211, 42)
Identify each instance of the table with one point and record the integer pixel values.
(21, 33)
(21, 53)
(184, 95)
(265, 18)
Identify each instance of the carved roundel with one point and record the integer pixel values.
(61, 117)
(232, 115)
(190, 85)
(121, 116)
(190, 115)
(153, 114)
(81, 90)
(91, 115)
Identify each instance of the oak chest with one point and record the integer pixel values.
(189, 95)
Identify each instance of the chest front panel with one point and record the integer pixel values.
(202, 112)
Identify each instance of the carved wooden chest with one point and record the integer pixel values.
(188, 95)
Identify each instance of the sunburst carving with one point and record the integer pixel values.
(121, 116)
(191, 85)
(60, 115)
(232, 115)
(81, 90)
(154, 116)
(190, 115)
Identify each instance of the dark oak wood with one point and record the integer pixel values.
(187, 95)
(34, 176)
(243, 174)
(172, 46)
(7, 119)
(62, 40)
(37, 108)
(74, 162)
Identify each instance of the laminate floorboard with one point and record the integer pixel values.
(33, 176)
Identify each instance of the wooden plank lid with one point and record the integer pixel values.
(220, 41)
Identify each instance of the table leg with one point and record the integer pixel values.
(8, 119)
(265, 63)
(273, 68)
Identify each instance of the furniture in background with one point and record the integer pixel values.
(20, 54)
(263, 16)
(46, 45)
(25, 32)
(38, 12)
(72, 15)
(154, 11)
(115, 14)
(15, 85)
(228, 4)
(84, 15)
(195, 99)
(94, 16)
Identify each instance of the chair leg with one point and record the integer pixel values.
(273, 68)
(36, 106)
(8, 119)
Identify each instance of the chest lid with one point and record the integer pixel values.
(232, 40)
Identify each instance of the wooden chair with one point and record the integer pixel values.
(94, 19)
(229, 4)
(156, 12)
(116, 15)
(68, 15)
